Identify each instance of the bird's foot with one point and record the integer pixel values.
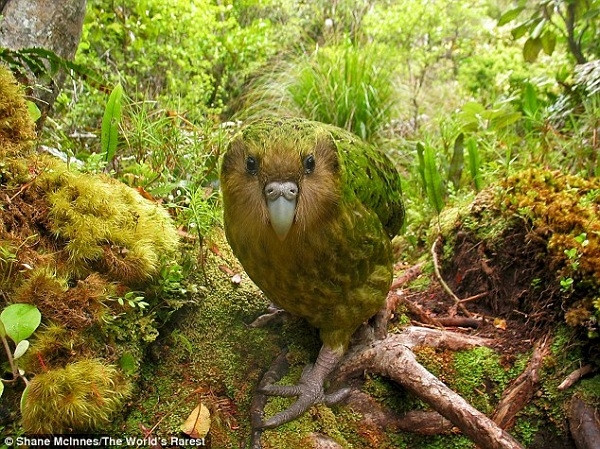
(273, 313)
(309, 389)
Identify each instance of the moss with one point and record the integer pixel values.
(16, 126)
(480, 377)
(74, 244)
(106, 226)
(82, 396)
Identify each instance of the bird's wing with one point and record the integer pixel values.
(372, 177)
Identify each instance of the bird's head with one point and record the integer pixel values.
(281, 179)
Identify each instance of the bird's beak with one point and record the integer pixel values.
(281, 204)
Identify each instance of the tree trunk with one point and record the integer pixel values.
(54, 25)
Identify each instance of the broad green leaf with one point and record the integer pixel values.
(24, 398)
(20, 321)
(110, 123)
(34, 111)
(532, 49)
(2, 330)
(127, 364)
(1, 388)
(21, 348)
(505, 119)
(530, 101)
(457, 162)
(548, 42)
(520, 30)
(510, 15)
(474, 162)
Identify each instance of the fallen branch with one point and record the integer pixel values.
(407, 276)
(584, 424)
(459, 321)
(575, 376)
(393, 358)
(421, 315)
(521, 390)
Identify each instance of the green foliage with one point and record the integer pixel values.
(43, 64)
(110, 123)
(20, 321)
(474, 162)
(345, 85)
(573, 23)
(432, 179)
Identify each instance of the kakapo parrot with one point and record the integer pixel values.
(309, 211)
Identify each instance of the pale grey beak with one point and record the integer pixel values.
(281, 204)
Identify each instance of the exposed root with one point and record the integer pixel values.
(520, 391)
(393, 358)
(575, 376)
(320, 441)
(458, 303)
(385, 420)
(584, 423)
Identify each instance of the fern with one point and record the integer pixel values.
(40, 62)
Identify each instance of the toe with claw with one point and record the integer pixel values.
(309, 390)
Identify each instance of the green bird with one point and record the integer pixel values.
(309, 211)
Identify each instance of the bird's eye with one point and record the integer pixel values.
(309, 164)
(251, 165)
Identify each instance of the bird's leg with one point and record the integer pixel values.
(310, 388)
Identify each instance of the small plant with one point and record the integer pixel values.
(110, 123)
(17, 322)
(132, 299)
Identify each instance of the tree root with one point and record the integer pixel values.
(383, 419)
(521, 390)
(575, 376)
(584, 423)
(458, 303)
(393, 358)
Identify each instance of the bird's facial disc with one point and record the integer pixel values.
(281, 205)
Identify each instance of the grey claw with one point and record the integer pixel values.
(337, 396)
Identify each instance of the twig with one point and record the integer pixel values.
(407, 276)
(459, 321)
(474, 297)
(575, 376)
(438, 275)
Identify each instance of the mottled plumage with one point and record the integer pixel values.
(332, 263)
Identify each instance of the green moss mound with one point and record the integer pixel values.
(82, 396)
(97, 259)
